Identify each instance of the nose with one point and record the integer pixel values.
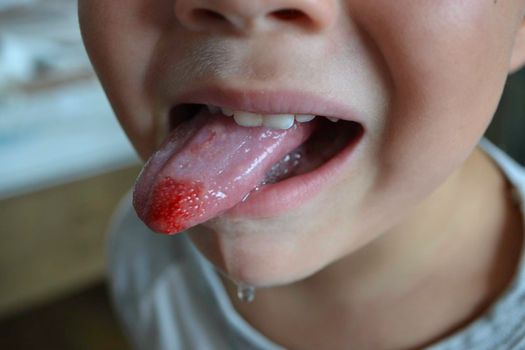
(252, 16)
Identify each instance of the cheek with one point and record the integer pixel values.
(448, 62)
(120, 39)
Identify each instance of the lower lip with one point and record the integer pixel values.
(288, 195)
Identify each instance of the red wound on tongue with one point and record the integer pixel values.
(173, 204)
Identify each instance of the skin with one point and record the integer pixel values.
(420, 224)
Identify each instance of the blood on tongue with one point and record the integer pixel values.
(173, 204)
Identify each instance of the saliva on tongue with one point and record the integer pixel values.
(207, 166)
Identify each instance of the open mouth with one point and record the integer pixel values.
(330, 136)
(218, 162)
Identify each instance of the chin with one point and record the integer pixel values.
(260, 258)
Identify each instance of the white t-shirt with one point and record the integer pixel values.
(169, 297)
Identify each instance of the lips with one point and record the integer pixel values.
(210, 166)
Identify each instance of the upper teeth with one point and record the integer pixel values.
(274, 121)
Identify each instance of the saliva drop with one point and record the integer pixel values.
(245, 293)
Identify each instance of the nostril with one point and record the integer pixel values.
(288, 14)
(251, 16)
(206, 15)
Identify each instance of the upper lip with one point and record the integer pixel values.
(272, 101)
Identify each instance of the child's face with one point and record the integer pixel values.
(422, 77)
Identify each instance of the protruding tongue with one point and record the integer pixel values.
(206, 167)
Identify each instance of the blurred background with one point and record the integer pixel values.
(65, 165)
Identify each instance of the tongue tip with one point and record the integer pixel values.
(165, 228)
(171, 206)
(139, 203)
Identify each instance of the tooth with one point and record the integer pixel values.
(248, 119)
(226, 111)
(332, 119)
(279, 121)
(303, 118)
(213, 109)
